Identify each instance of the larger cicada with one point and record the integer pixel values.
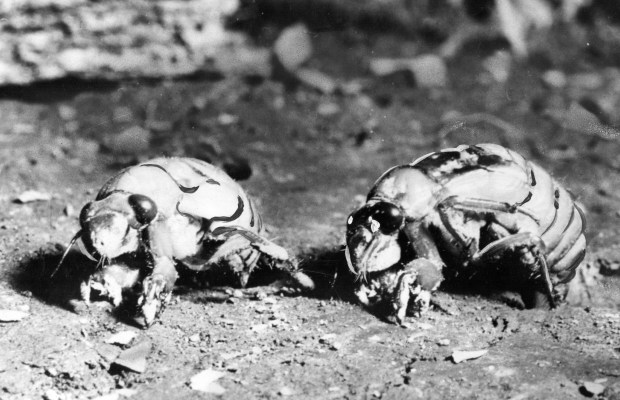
(470, 210)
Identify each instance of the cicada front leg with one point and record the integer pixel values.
(418, 280)
(420, 277)
(157, 289)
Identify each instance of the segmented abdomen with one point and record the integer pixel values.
(540, 205)
(561, 226)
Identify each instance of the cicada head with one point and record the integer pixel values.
(372, 237)
(111, 226)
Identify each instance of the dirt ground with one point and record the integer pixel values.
(312, 158)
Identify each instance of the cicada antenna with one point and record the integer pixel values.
(64, 255)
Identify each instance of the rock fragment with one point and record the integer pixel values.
(498, 66)
(132, 141)
(316, 80)
(429, 70)
(30, 196)
(12, 315)
(286, 391)
(293, 47)
(554, 78)
(122, 338)
(459, 356)
(592, 388)
(205, 381)
(134, 358)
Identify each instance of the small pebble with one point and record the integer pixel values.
(205, 381)
(122, 338)
(67, 112)
(285, 391)
(293, 47)
(30, 196)
(554, 78)
(227, 119)
(316, 80)
(51, 394)
(460, 356)
(328, 109)
(593, 388)
(133, 140)
(134, 358)
(375, 339)
(12, 315)
(69, 210)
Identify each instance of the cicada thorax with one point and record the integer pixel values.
(192, 199)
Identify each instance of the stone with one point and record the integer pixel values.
(122, 338)
(459, 356)
(134, 358)
(593, 388)
(132, 141)
(554, 78)
(30, 196)
(428, 70)
(205, 381)
(293, 47)
(12, 315)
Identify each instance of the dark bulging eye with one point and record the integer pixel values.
(388, 215)
(144, 207)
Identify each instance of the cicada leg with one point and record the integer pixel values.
(157, 289)
(419, 280)
(419, 277)
(402, 295)
(242, 250)
(532, 245)
(111, 281)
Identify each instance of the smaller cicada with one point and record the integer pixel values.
(171, 211)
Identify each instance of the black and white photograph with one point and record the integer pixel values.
(309, 199)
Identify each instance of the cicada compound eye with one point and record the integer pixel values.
(388, 215)
(144, 208)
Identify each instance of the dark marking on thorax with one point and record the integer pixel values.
(444, 165)
(184, 189)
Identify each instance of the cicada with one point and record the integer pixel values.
(168, 212)
(467, 211)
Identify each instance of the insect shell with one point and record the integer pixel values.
(458, 211)
(171, 210)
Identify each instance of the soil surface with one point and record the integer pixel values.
(311, 158)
